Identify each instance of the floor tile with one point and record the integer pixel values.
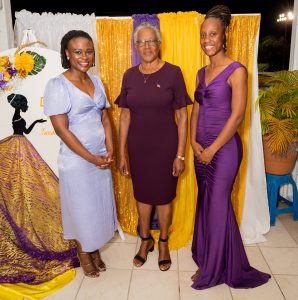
(290, 225)
(131, 239)
(278, 236)
(110, 285)
(268, 291)
(186, 263)
(288, 284)
(256, 259)
(281, 260)
(157, 285)
(118, 255)
(220, 292)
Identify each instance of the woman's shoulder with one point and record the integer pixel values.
(172, 67)
(95, 78)
(236, 64)
(55, 81)
(131, 70)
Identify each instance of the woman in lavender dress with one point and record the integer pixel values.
(217, 113)
(77, 105)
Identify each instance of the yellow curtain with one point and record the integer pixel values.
(181, 46)
(241, 42)
(114, 44)
(22, 291)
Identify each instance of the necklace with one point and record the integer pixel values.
(17, 120)
(146, 77)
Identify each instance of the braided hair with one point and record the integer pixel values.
(222, 13)
(72, 34)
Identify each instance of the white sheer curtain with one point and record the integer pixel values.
(50, 28)
(255, 219)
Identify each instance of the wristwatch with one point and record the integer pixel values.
(180, 157)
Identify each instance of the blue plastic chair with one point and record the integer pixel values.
(274, 182)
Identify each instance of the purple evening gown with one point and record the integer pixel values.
(217, 246)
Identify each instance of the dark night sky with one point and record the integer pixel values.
(269, 9)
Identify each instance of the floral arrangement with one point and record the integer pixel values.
(19, 66)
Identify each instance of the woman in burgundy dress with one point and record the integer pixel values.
(152, 95)
(219, 108)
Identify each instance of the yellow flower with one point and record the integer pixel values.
(24, 63)
(7, 76)
(4, 61)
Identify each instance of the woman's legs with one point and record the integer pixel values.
(97, 261)
(164, 213)
(86, 261)
(144, 211)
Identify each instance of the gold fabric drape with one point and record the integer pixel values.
(20, 291)
(32, 247)
(114, 44)
(241, 42)
(180, 46)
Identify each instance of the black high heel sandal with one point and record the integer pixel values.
(140, 258)
(165, 261)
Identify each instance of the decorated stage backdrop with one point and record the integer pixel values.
(180, 34)
(32, 87)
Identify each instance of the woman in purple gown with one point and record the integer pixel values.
(219, 108)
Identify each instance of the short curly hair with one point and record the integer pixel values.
(72, 34)
(222, 13)
(146, 25)
(17, 100)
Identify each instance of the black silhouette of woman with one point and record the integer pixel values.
(20, 103)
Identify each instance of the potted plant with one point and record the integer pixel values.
(278, 102)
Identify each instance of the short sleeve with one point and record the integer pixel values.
(56, 98)
(121, 100)
(103, 96)
(181, 97)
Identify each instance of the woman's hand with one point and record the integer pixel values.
(109, 156)
(206, 156)
(101, 161)
(197, 149)
(178, 167)
(123, 166)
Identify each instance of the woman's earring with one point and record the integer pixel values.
(67, 57)
(93, 65)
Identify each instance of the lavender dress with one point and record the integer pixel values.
(217, 246)
(86, 192)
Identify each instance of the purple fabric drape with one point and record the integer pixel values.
(137, 20)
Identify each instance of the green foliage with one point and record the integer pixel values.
(39, 62)
(278, 102)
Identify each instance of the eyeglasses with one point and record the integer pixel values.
(150, 43)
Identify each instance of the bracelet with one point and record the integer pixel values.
(180, 157)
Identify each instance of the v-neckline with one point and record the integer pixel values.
(94, 87)
(210, 82)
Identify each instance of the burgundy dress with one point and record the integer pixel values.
(217, 246)
(153, 135)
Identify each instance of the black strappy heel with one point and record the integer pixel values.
(165, 261)
(140, 258)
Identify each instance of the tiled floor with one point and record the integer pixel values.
(278, 256)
